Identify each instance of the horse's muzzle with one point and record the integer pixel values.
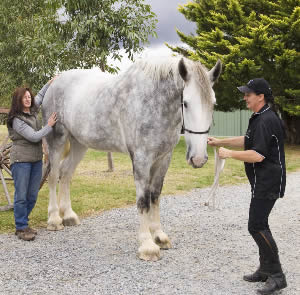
(197, 162)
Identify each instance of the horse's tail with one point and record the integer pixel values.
(46, 171)
(47, 165)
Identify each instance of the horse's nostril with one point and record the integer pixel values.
(206, 158)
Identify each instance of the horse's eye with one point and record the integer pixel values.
(185, 104)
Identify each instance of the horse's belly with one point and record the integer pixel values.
(101, 141)
(95, 129)
(108, 147)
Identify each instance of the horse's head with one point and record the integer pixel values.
(198, 103)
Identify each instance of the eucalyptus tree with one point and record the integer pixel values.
(40, 37)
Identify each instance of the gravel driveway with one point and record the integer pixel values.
(211, 250)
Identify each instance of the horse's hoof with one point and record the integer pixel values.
(162, 240)
(166, 244)
(149, 257)
(54, 227)
(149, 252)
(71, 221)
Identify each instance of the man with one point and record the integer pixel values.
(265, 168)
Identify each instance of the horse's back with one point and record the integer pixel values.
(83, 100)
(75, 90)
(76, 83)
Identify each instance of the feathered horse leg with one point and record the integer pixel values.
(158, 174)
(67, 168)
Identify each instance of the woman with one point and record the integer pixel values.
(265, 167)
(26, 154)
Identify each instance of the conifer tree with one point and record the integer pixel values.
(253, 38)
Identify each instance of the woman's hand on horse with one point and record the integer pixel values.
(52, 120)
(213, 141)
(50, 81)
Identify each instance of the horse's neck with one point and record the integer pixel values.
(133, 86)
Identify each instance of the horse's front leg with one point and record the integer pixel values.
(159, 236)
(159, 171)
(148, 250)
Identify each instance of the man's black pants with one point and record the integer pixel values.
(259, 212)
(258, 227)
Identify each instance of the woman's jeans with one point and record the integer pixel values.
(27, 178)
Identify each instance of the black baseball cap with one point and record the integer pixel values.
(257, 85)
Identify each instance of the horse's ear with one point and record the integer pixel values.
(215, 72)
(182, 70)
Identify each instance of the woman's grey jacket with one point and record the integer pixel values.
(26, 134)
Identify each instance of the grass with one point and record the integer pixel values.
(94, 190)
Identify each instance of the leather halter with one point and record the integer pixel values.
(183, 129)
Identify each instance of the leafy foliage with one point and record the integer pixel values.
(253, 38)
(40, 37)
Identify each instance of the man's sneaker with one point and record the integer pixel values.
(24, 235)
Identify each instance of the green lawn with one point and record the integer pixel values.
(94, 190)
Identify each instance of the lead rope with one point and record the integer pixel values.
(213, 201)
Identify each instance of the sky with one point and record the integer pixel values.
(169, 18)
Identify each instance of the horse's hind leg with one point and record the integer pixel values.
(67, 169)
(56, 146)
(158, 172)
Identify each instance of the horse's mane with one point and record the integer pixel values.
(161, 68)
(206, 86)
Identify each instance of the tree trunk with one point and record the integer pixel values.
(292, 124)
(110, 162)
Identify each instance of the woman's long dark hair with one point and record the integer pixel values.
(17, 104)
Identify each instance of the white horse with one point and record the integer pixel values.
(139, 113)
